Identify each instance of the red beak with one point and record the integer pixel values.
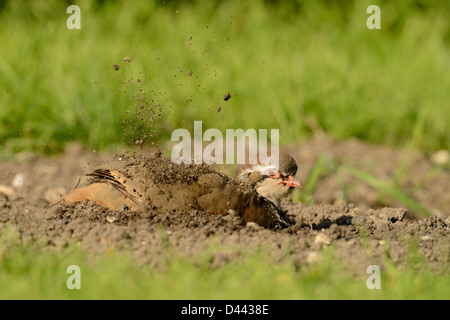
(293, 182)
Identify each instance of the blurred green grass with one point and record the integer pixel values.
(300, 66)
(324, 165)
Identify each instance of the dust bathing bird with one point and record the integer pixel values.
(155, 182)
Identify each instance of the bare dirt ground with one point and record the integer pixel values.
(365, 229)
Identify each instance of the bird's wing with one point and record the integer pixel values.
(275, 217)
(118, 181)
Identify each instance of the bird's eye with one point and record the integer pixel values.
(273, 173)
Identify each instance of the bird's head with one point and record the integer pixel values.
(271, 182)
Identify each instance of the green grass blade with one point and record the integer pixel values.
(318, 170)
(387, 188)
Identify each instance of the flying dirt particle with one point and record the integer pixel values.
(190, 72)
(138, 80)
(127, 59)
(219, 108)
(116, 67)
(227, 96)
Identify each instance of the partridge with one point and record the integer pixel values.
(156, 182)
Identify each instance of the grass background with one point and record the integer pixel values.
(301, 66)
